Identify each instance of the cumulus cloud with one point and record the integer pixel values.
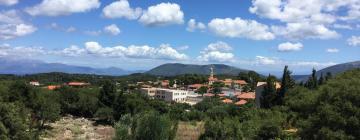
(8, 2)
(217, 52)
(298, 31)
(112, 29)
(193, 25)
(239, 28)
(121, 9)
(262, 60)
(354, 41)
(332, 50)
(12, 26)
(162, 14)
(62, 7)
(164, 51)
(290, 47)
(342, 26)
(308, 18)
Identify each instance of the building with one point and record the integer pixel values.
(211, 78)
(53, 87)
(167, 95)
(193, 99)
(165, 83)
(148, 91)
(78, 84)
(34, 83)
(259, 90)
(170, 95)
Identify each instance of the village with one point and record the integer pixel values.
(230, 91)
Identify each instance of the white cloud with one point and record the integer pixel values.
(93, 33)
(70, 29)
(217, 52)
(73, 50)
(354, 41)
(308, 18)
(342, 26)
(8, 2)
(292, 10)
(121, 9)
(262, 60)
(182, 48)
(332, 50)
(6, 50)
(112, 29)
(297, 31)
(290, 47)
(12, 26)
(162, 14)
(239, 28)
(164, 51)
(193, 25)
(62, 7)
(10, 31)
(312, 64)
(10, 17)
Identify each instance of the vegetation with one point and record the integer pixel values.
(329, 110)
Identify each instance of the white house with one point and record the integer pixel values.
(169, 95)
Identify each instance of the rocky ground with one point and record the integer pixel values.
(72, 128)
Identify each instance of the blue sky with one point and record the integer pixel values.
(263, 35)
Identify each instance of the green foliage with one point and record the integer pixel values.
(286, 83)
(147, 125)
(251, 77)
(107, 93)
(225, 129)
(270, 97)
(13, 122)
(202, 90)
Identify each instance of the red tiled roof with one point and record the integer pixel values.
(222, 95)
(247, 95)
(209, 95)
(53, 87)
(241, 102)
(227, 101)
(196, 85)
(77, 84)
(241, 82)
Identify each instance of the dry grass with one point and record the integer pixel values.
(189, 130)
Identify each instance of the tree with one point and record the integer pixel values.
(202, 90)
(46, 109)
(250, 77)
(328, 76)
(286, 83)
(107, 93)
(269, 95)
(153, 126)
(269, 132)
(312, 82)
(216, 87)
(321, 79)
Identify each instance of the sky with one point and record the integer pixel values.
(262, 35)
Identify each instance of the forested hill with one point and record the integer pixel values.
(336, 69)
(173, 69)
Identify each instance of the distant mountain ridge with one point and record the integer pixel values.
(335, 69)
(21, 67)
(173, 69)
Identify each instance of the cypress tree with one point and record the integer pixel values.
(287, 82)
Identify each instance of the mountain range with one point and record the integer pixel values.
(21, 67)
(172, 69)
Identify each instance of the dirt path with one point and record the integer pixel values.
(71, 128)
